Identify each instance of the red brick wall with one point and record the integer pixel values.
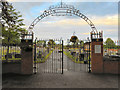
(111, 67)
(27, 62)
(98, 65)
(97, 58)
(27, 57)
(11, 67)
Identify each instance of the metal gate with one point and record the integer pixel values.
(78, 55)
(48, 56)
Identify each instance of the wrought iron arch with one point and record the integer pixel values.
(62, 10)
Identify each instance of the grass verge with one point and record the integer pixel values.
(72, 57)
(44, 59)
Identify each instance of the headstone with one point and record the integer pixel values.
(9, 55)
(59, 51)
(39, 52)
(114, 56)
(76, 59)
(106, 54)
(39, 56)
(13, 53)
(119, 52)
(73, 53)
(85, 62)
(17, 55)
(48, 50)
(81, 57)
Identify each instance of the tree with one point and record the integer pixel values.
(41, 42)
(81, 44)
(51, 42)
(11, 25)
(74, 39)
(109, 43)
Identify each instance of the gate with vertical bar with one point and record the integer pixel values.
(48, 56)
(78, 56)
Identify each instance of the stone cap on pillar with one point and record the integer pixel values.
(96, 35)
(27, 35)
(27, 38)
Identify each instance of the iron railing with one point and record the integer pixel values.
(111, 48)
(11, 53)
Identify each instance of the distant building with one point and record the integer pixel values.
(86, 46)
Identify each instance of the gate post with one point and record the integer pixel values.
(27, 53)
(97, 52)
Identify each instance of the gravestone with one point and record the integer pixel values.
(59, 51)
(85, 62)
(76, 59)
(114, 56)
(39, 52)
(13, 53)
(17, 55)
(118, 52)
(39, 56)
(81, 57)
(73, 53)
(9, 55)
(48, 50)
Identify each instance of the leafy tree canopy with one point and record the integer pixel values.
(41, 42)
(109, 43)
(51, 42)
(74, 39)
(12, 24)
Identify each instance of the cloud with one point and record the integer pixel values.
(104, 17)
(65, 0)
(87, 8)
(112, 30)
(107, 20)
(85, 33)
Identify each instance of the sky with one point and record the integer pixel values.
(104, 16)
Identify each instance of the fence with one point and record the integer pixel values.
(111, 48)
(14, 53)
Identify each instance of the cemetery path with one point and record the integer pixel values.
(54, 64)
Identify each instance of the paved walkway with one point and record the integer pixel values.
(67, 80)
(70, 79)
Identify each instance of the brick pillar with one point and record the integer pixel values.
(97, 55)
(27, 56)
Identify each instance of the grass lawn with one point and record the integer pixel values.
(44, 59)
(11, 50)
(9, 59)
